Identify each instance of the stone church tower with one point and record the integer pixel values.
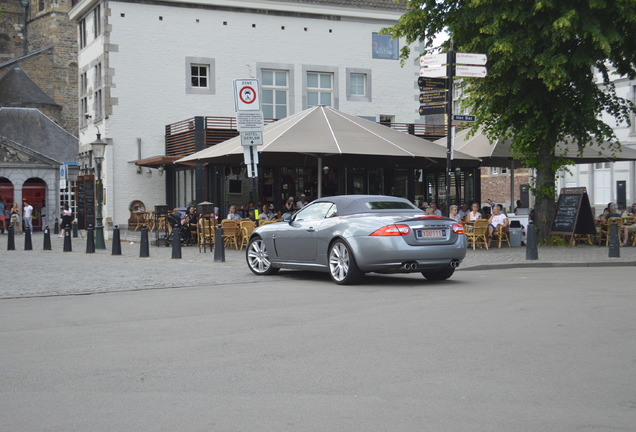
(38, 36)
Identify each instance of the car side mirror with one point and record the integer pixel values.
(287, 217)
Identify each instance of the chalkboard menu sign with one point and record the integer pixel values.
(85, 201)
(573, 214)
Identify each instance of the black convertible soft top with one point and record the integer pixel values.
(354, 204)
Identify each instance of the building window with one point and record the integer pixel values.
(83, 84)
(358, 85)
(200, 75)
(82, 33)
(97, 22)
(319, 89)
(498, 170)
(83, 111)
(275, 89)
(97, 108)
(98, 75)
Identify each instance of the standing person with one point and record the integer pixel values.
(28, 216)
(302, 203)
(3, 218)
(67, 219)
(15, 218)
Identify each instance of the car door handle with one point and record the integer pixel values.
(310, 229)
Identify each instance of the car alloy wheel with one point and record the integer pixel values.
(257, 258)
(342, 265)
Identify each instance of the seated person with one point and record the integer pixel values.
(290, 205)
(627, 229)
(609, 212)
(190, 220)
(474, 214)
(266, 213)
(233, 215)
(498, 222)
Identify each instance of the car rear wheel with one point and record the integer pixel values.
(258, 259)
(342, 264)
(438, 275)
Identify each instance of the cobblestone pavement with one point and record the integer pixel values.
(55, 272)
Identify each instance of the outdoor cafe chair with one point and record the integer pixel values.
(231, 232)
(604, 231)
(205, 233)
(478, 235)
(501, 236)
(246, 227)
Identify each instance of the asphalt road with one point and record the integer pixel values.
(504, 350)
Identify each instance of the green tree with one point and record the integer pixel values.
(550, 69)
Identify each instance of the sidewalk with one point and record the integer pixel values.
(55, 272)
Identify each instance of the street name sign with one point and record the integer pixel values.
(251, 138)
(464, 117)
(434, 59)
(470, 71)
(434, 71)
(471, 59)
(247, 95)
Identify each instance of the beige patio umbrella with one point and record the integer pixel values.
(334, 138)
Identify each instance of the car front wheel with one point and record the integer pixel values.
(342, 264)
(258, 259)
(438, 275)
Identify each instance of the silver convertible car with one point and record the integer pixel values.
(351, 235)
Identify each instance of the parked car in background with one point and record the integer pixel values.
(350, 235)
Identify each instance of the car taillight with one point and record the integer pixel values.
(458, 228)
(393, 230)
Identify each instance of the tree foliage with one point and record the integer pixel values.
(551, 67)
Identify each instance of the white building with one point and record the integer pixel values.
(144, 65)
(609, 181)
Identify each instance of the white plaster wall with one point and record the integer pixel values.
(148, 47)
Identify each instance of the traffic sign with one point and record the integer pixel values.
(470, 71)
(432, 83)
(247, 95)
(433, 96)
(464, 117)
(434, 59)
(251, 138)
(247, 121)
(471, 59)
(432, 109)
(434, 71)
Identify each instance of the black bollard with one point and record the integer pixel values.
(28, 244)
(144, 250)
(68, 247)
(614, 245)
(176, 242)
(56, 227)
(219, 246)
(47, 238)
(11, 238)
(90, 240)
(116, 241)
(75, 229)
(531, 243)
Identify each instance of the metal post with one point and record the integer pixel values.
(614, 246)
(531, 243)
(449, 125)
(11, 238)
(47, 238)
(219, 247)
(99, 228)
(28, 245)
(176, 241)
(116, 241)
(90, 240)
(144, 250)
(68, 247)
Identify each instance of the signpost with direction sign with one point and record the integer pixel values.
(436, 86)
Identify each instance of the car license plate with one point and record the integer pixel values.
(424, 234)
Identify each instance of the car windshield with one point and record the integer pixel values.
(389, 205)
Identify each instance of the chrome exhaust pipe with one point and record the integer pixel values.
(454, 263)
(409, 266)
